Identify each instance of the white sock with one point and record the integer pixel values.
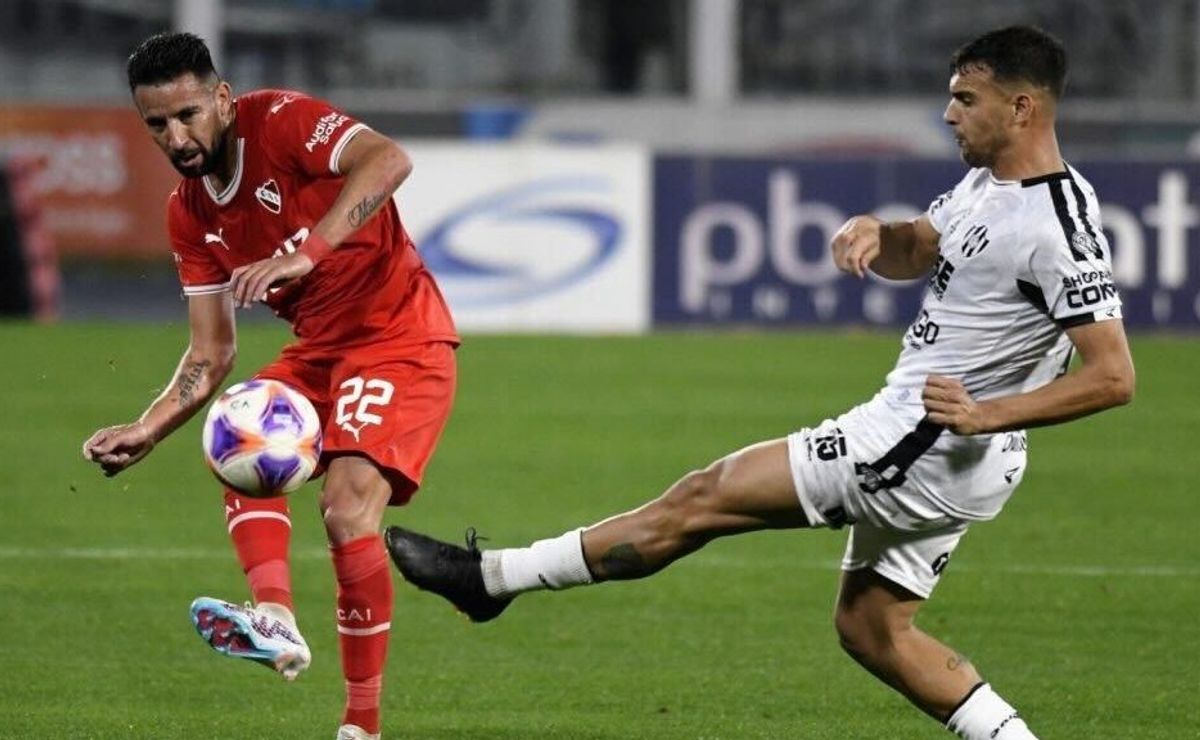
(554, 564)
(279, 611)
(986, 716)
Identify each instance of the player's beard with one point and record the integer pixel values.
(209, 158)
(981, 152)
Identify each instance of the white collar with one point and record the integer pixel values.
(230, 190)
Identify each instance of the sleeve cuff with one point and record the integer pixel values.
(336, 154)
(1104, 314)
(205, 289)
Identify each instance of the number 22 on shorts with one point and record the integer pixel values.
(358, 396)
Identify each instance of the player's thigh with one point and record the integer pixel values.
(309, 379)
(391, 410)
(913, 561)
(752, 488)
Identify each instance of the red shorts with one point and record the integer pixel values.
(389, 404)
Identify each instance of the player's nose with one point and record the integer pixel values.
(177, 136)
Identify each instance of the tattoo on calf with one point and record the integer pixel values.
(189, 378)
(361, 212)
(956, 661)
(623, 561)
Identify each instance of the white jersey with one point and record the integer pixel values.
(1018, 262)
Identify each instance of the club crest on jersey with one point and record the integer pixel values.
(975, 241)
(268, 195)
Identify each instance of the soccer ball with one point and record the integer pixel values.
(262, 438)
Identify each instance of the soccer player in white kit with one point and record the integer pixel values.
(1019, 276)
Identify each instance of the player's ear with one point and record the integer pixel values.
(1023, 107)
(224, 97)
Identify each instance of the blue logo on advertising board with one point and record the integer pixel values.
(524, 242)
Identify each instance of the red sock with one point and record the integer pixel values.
(261, 529)
(364, 614)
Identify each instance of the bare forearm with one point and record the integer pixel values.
(365, 192)
(197, 378)
(1085, 391)
(899, 255)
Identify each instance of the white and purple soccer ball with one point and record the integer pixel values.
(262, 438)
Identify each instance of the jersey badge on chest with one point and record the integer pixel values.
(268, 195)
(975, 241)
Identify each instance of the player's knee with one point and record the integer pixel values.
(862, 635)
(868, 635)
(691, 501)
(350, 509)
(852, 631)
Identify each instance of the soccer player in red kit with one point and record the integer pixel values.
(288, 201)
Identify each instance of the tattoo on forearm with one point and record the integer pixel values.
(361, 212)
(189, 378)
(956, 661)
(623, 561)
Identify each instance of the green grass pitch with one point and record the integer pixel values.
(1079, 603)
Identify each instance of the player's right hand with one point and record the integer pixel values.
(116, 448)
(856, 244)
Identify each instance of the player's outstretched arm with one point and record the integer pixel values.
(1104, 379)
(207, 362)
(374, 167)
(899, 250)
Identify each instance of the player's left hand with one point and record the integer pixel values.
(249, 283)
(948, 403)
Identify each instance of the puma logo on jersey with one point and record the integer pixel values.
(217, 238)
(282, 102)
(269, 197)
(354, 430)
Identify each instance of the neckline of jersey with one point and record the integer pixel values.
(1031, 181)
(231, 189)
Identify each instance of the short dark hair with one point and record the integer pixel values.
(166, 56)
(1017, 53)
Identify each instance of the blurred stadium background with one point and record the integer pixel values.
(591, 177)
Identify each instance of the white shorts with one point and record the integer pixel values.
(908, 488)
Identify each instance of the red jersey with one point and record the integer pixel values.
(372, 288)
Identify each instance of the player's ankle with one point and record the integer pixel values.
(984, 715)
(553, 564)
(279, 611)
